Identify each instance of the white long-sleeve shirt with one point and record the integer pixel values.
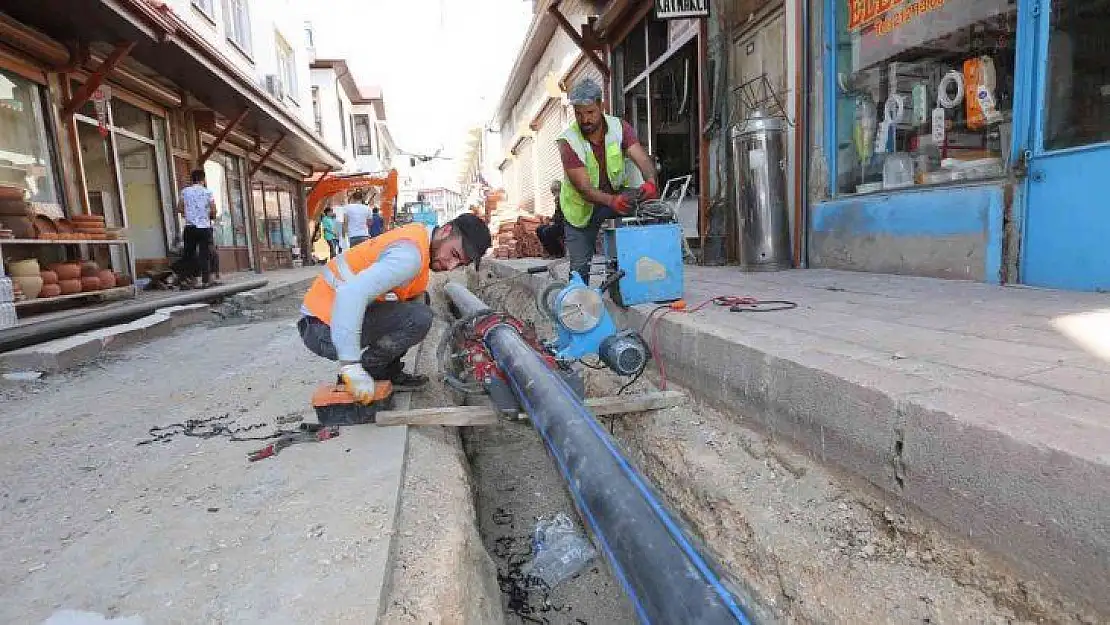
(397, 265)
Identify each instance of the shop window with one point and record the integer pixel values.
(131, 118)
(674, 114)
(1077, 105)
(237, 201)
(25, 146)
(237, 24)
(634, 53)
(925, 92)
(658, 38)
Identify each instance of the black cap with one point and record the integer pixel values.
(475, 236)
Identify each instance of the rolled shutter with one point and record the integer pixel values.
(526, 175)
(550, 166)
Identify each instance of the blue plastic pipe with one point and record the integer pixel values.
(664, 575)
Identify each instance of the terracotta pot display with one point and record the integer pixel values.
(21, 227)
(66, 271)
(90, 284)
(24, 268)
(89, 269)
(50, 290)
(107, 279)
(29, 285)
(69, 287)
(8, 192)
(48, 277)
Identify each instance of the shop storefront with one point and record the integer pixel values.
(275, 198)
(224, 175)
(52, 249)
(962, 139)
(655, 87)
(127, 175)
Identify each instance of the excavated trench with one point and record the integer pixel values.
(812, 546)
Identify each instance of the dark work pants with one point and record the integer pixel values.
(389, 329)
(197, 252)
(333, 247)
(582, 242)
(356, 240)
(551, 236)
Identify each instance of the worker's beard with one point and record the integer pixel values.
(433, 251)
(587, 129)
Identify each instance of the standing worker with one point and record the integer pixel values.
(596, 151)
(198, 206)
(356, 219)
(347, 317)
(551, 234)
(377, 224)
(330, 231)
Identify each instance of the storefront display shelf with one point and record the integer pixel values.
(116, 292)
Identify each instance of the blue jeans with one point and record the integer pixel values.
(581, 242)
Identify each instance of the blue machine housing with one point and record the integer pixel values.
(571, 345)
(651, 257)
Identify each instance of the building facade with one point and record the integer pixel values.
(113, 126)
(946, 139)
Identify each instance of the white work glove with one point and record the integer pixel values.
(358, 382)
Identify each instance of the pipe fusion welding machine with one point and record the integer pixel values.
(644, 253)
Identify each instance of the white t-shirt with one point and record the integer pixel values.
(196, 199)
(356, 216)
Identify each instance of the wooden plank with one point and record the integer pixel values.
(482, 415)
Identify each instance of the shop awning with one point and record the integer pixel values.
(169, 46)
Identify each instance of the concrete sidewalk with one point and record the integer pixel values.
(986, 408)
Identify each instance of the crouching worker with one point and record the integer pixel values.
(349, 317)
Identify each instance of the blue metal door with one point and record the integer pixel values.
(1067, 230)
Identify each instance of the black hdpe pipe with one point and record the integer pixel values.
(665, 577)
(35, 333)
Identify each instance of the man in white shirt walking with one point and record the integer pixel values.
(198, 206)
(356, 219)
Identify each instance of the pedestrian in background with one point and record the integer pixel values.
(198, 206)
(330, 231)
(356, 219)
(377, 224)
(551, 234)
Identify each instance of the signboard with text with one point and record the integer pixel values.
(678, 9)
(863, 12)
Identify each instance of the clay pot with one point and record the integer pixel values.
(66, 271)
(21, 227)
(15, 208)
(9, 192)
(48, 277)
(69, 287)
(123, 279)
(24, 268)
(50, 290)
(29, 285)
(89, 269)
(107, 279)
(44, 226)
(90, 284)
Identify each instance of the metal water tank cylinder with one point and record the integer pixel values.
(759, 170)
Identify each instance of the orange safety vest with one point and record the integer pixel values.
(321, 295)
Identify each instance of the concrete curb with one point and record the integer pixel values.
(271, 292)
(72, 351)
(1038, 499)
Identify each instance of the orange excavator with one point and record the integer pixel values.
(331, 184)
